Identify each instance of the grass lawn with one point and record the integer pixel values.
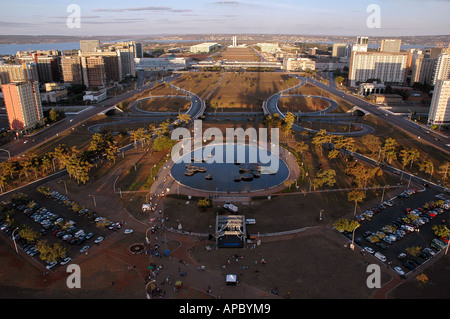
(167, 104)
(247, 91)
(238, 54)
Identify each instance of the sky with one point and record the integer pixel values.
(303, 17)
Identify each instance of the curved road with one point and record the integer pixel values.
(271, 106)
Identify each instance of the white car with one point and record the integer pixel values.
(128, 231)
(399, 270)
(98, 240)
(65, 261)
(369, 250)
(51, 265)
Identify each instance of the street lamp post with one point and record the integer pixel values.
(65, 185)
(14, 240)
(320, 214)
(9, 154)
(95, 204)
(382, 196)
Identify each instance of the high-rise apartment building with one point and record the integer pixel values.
(440, 104)
(71, 70)
(89, 45)
(422, 69)
(18, 72)
(391, 45)
(48, 67)
(442, 68)
(93, 70)
(112, 64)
(381, 66)
(23, 105)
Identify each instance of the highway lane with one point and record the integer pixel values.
(396, 120)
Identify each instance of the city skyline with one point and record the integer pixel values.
(397, 17)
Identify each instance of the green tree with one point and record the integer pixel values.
(441, 230)
(356, 196)
(390, 149)
(301, 147)
(324, 177)
(372, 142)
(29, 234)
(345, 224)
(162, 143)
(409, 156)
(427, 167)
(444, 171)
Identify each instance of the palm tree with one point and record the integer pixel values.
(427, 167)
(444, 170)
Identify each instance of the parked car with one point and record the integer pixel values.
(380, 256)
(98, 240)
(51, 265)
(65, 261)
(84, 249)
(369, 250)
(399, 270)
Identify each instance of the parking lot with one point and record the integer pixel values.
(58, 220)
(403, 222)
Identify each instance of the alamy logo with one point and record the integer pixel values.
(374, 279)
(374, 19)
(74, 279)
(260, 149)
(74, 19)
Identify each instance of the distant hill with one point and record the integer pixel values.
(223, 38)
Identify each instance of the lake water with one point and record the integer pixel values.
(234, 177)
(11, 49)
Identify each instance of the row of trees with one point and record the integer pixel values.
(390, 151)
(77, 162)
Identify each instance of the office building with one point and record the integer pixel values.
(339, 50)
(127, 51)
(71, 70)
(381, 66)
(299, 64)
(89, 45)
(93, 71)
(204, 47)
(391, 45)
(440, 104)
(422, 69)
(269, 47)
(160, 64)
(26, 71)
(23, 105)
(442, 68)
(48, 69)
